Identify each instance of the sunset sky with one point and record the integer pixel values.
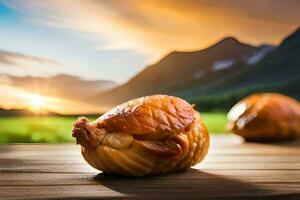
(113, 40)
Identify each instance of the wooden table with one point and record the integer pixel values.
(232, 170)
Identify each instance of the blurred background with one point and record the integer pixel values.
(61, 59)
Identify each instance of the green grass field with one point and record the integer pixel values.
(58, 129)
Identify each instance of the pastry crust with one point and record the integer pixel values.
(266, 117)
(146, 136)
(150, 114)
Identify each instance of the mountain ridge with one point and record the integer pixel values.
(218, 76)
(61, 85)
(156, 77)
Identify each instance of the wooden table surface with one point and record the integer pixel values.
(232, 170)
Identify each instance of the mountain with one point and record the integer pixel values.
(63, 86)
(22, 112)
(179, 68)
(277, 71)
(219, 76)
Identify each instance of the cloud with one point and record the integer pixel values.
(17, 63)
(18, 98)
(156, 26)
(71, 92)
(62, 86)
(13, 58)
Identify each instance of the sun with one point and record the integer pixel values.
(37, 103)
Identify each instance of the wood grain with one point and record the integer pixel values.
(232, 170)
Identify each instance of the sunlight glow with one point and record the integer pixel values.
(16, 98)
(37, 102)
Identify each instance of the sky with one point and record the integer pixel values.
(72, 51)
(115, 39)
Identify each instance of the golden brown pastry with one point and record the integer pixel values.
(266, 117)
(146, 136)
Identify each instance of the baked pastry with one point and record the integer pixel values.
(266, 117)
(146, 136)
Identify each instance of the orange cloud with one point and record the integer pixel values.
(17, 63)
(157, 26)
(13, 97)
(11, 58)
